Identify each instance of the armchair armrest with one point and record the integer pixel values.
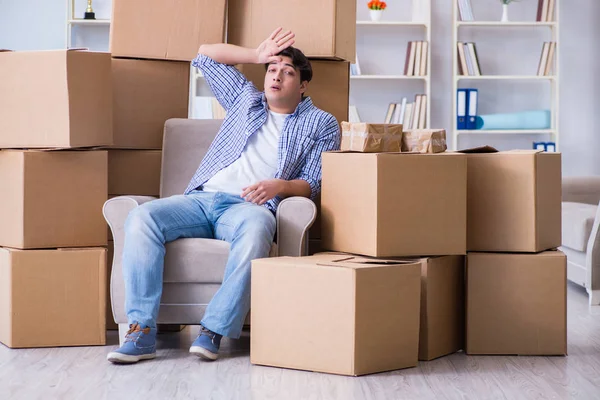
(295, 216)
(115, 213)
(581, 189)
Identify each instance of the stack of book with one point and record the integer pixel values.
(545, 11)
(468, 62)
(410, 115)
(416, 59)
(546, 59)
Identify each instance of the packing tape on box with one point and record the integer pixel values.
(375, 137)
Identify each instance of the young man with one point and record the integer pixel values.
(268, 148)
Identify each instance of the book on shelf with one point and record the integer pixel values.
(411, 115)
(465, 11)
(466, 108)
(415, 63)
(468, 61)
(546, 59)
(545, 11)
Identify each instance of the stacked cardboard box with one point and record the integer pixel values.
(516, 280)
(404, 293)
(152, 43)
(405, 211)
(52, 268)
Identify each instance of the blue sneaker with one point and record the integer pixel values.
(140, 344)
(207, 344)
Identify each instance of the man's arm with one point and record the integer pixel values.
(265, 53)
(263, 191)
(308, 184)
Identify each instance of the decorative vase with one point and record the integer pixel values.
(376, 15)
(504, 13)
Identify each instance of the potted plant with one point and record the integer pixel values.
(376, 8)
(505, 4)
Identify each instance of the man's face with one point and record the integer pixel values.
(282, 82)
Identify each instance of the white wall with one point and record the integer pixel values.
(32, 24)
(40, 24)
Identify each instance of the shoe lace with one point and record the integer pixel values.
(134, 332)
(207, 332)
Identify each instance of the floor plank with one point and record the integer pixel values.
(84, 373)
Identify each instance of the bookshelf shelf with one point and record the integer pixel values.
(461, 61)
(497, 24)
(387, 77)
(505, 132)
(103, 22)
(504, 77)
(391, 23)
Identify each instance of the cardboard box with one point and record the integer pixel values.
(52, 297)
(65, 103)
(328, 77)
(424, 140)
(371, 138)
(370, 325)
(146, 94)
(331, 33)
(514, 201)
(134, 172)
(442, 306)
(394, 204)
(517, 303)
(166, 30)
(52, 198)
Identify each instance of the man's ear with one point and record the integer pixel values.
(303, 86)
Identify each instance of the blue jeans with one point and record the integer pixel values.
(248, 227)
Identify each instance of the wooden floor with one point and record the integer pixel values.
(84, 373)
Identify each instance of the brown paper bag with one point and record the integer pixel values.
(424, 141)
(371, 138)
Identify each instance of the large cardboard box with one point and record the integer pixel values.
(330, 34)
(52, 199)
(134, 172)
(514, 201)
(370, 325)
(328, 77)
(394, 204)
(168, 30)
(442, 306)
(54, 99)
(517, 303)
(146, 94)
(52, 297)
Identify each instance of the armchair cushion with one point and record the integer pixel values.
(577, 220)
(197, 260)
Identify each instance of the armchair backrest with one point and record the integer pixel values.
(185, 142)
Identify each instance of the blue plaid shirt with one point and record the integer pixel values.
(306, 133)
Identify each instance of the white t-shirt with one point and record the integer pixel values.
(257, 162)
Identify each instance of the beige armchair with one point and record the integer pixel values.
(194, 268)
(581, 233)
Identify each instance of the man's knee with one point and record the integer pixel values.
(140, 218)
(259, 225)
